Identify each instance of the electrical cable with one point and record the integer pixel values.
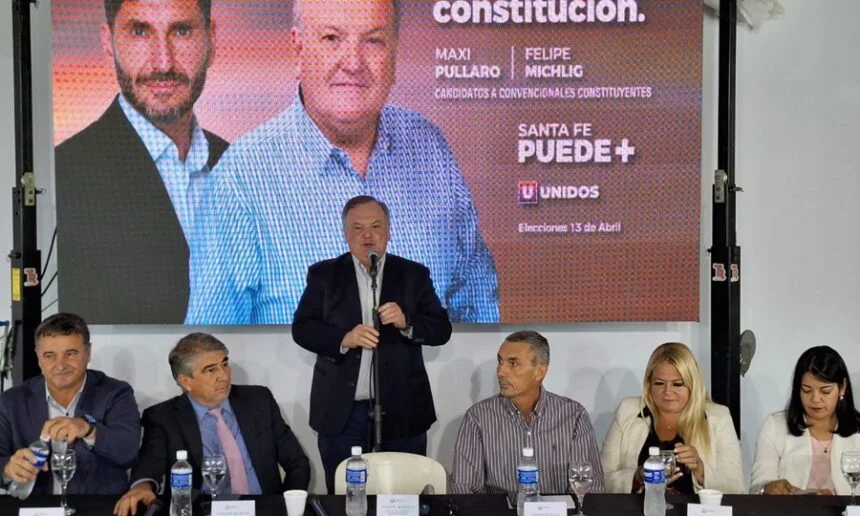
(50, 252)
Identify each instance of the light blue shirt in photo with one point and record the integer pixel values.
(276, 210)
(188, 183)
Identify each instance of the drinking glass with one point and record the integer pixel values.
(214, 470)
(851, 470)
(64, 465)
(669, 466)
(581, 479)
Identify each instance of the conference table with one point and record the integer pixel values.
(483, 505)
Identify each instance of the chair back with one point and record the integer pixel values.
(397, 473)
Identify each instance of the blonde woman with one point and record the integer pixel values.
(674, 413)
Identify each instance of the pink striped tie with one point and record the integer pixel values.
(235, 464)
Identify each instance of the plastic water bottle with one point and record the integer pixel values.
(528, 475)
(41, 450)
(180, 485)
(356, 484)
(655, 484)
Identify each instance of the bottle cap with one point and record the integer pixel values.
(528, 452)
(356, 451)
(181, 455)
(654, 451)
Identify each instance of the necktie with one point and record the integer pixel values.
(235, 464)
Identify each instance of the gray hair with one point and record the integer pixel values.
(537, 343)
(361, 200)
(185, 351)
(397, 4)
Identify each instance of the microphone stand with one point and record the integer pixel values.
(376, 410)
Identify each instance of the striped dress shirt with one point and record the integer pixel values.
(276, 210)
(492, 436)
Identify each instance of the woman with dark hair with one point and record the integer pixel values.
(799, 449)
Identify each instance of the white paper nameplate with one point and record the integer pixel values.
(852, 510)
(542, 508)
(559, 498)
(396, 505)
(695, 509)
(44, 511)
(234, 508)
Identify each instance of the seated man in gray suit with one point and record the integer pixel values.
(96, 415)
(213, 416)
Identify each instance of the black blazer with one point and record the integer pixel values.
(102, 469)
(122, 256)
(172, 425)
(330, 307)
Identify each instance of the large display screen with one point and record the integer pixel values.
(540, 157)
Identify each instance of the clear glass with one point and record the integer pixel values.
(851, 469)
(214, 470)
(581, 479)
(669, 466)
(64, 465)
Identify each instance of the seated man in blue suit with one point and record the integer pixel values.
(96, 414)
(213, 416)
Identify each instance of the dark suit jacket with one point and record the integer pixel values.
(172, 425)
(122, 256)
(102, 469)
(330, 307)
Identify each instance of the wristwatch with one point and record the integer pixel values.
(92, 422)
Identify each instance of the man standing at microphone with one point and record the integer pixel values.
(335, 320)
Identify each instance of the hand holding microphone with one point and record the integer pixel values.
(391, 313)
(361, 336)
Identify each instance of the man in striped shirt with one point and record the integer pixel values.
(495, 430)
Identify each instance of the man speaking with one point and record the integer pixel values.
(335, 320)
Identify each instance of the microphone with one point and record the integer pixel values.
(373, 255)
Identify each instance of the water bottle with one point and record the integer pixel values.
(41, 451)
(356, 484)
(180, 485)
(527, 479)
(655, 484)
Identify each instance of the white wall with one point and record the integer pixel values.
(798, 106)
(798, 98)
(7, 155)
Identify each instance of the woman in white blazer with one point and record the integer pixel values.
(674, 413)
(799, 449)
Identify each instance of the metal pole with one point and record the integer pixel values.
(725, 254)
(376, 412)
(25, 256)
